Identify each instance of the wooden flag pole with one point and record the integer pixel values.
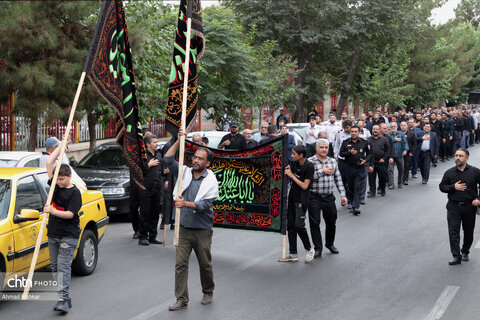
(52, 189)
(284, 246)
(181, 156)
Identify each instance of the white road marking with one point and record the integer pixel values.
(155, 311)
(442, 303)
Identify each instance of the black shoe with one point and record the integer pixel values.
(356, 212)
(362, 201)
(434, 165)
(162, 226)
(405, 183)
(424, 181)
(399, 186)
(318, 254)
(63, 305)
(465, 257)
(154, 241)
(382, 193)
(172, 226)
(391, 187)
(371, 195)
(143, 242)
(332, 249)
(455, 261)
(136, 235)
(379, 190)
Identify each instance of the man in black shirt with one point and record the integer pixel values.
(356, 152)
(301, 174)
(247, 133)
(380, 148)
(63, 228)
(412, 147)
(461, 183)
(151, 196)
(233, 140)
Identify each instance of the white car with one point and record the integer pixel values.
(214, 137)
(25, 159)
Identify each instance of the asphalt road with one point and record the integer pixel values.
(392, 265)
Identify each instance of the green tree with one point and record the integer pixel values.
(305, 30)
(468, 11)
(227, 77)
(46, 44)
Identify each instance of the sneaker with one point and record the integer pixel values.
(309, 255)
(63, 305)
(289, 258)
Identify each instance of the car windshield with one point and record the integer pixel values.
(109, 158)
(8, 163)
(213, 142)
(300, 131)
(4, 198)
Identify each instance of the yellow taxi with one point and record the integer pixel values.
(23, 193)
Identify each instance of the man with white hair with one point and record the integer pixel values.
(325, 177)
(251, 143)
(197, 138)
(263, 133)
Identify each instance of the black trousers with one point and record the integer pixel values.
(319, 204)
(450, 147)
(149, 212)
(293, 231)
(443, 149)
(356, 178)
(342, 167)
(424, 161)
(407, 160)
(457, 216)
(134, 206)
(379, 169)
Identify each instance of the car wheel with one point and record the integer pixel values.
(87, 256)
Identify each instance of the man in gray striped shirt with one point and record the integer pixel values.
(325, 177)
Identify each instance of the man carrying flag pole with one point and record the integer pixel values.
(194, 204)
(182, 93)
(109, 67)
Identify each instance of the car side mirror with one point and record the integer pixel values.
(74, 163)
(26, 215)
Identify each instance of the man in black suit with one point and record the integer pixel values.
(412, 147)
(428, 150)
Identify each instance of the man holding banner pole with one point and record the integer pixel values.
(200, 189)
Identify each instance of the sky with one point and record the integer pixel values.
(445, 13)
(439, 16)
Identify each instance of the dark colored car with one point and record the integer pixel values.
(105, 169)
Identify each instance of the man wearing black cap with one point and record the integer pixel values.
(233, 140)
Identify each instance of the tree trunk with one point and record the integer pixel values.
(351, 75)
(32, 141)
(303, 63)
(92, 120)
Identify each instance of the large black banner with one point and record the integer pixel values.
(109, 67)
(252, 186)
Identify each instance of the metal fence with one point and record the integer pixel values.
(15, 129)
